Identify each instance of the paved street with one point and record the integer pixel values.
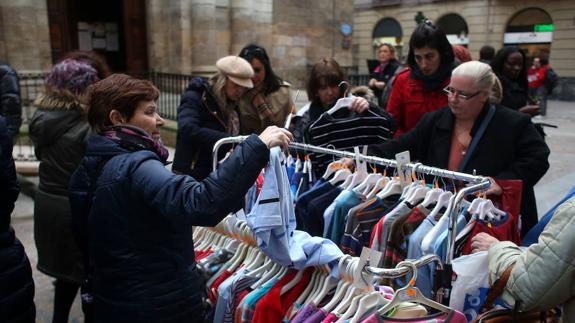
(558, 180)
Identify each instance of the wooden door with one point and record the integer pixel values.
(135, 35)
(60, 28)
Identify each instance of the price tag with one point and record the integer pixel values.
(403, 158)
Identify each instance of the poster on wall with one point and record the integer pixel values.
(98, 35)
(84, 36)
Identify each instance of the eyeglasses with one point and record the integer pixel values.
(460, 95)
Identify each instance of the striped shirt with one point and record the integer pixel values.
(344, 130)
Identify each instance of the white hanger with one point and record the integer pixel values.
(418, 194)
(378, 187)
(368, 301)
(392, 187)
(431, 197)
(344, 285)
(308, 291)
(341, 103)
(329, 283)
(410, 293)
(368, 183)
(442, 201)
(275, 269)
(340, 175)
(351, 309)
(487, 210)
(332, 168)
(291, 284)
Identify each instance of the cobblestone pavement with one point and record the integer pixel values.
(558, 180)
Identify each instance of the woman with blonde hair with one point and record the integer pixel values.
(384, 72)
(475, 133)
(208, 112)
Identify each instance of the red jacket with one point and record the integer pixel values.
(409, 101)
(536, 76)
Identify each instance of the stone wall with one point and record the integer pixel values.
(486, 19)
(24, 36)
(295, 33)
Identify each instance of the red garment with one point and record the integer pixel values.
(505, 230)
(273, 306)
(213, 294)
(408, 101)
(536, 76)
(202, 254)
(259, 183)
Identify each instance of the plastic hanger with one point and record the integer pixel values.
(340, 175)
(377, 187)
(332, 168)
(308, 291)
(368, 183)
(298, 277)
(410, 293)
(392, 187)
(344, 284)
(442, 202)
(418, 194)
(341, 103)
(368, 301)
(351, 309)
(275, 268)
(431, 197)
(329, 283)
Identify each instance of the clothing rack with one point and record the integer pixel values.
(479, 183)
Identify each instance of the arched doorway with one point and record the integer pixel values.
(455, 27)
(388, 30)
(532, 30)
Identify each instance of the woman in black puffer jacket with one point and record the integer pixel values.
(16, 284)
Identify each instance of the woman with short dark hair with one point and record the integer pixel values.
(138, 215)
(269, 102)
(419, 88)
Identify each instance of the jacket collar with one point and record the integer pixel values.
(211, 104)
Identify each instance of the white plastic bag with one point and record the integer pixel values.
(470, 288)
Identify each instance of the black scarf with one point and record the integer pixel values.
(435, 81)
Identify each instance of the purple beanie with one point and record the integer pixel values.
(72, 75)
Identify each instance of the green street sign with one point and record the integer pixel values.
(543, 28)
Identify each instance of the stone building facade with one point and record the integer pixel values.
(488, 22)
(187, 36)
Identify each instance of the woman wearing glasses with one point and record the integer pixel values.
(507, 143)
(417, 90)
(269, 102)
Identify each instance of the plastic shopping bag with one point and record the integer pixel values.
(470, 287)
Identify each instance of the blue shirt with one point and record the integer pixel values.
(273, 222)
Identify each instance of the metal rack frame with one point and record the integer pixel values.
(479, 183)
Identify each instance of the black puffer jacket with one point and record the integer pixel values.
(59, 132)
(140, 227)
(10, 102)
(16, 284)
(201, 122)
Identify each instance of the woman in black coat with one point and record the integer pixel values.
(510, 148)
(383, 73)
(16, 284)
(207, 113)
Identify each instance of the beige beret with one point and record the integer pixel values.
(236, 69)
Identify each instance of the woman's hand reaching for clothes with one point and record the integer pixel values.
(481, 242)
(273, 136)
(359, 105)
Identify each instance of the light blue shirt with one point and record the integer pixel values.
(327, 216)
(273, 222)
